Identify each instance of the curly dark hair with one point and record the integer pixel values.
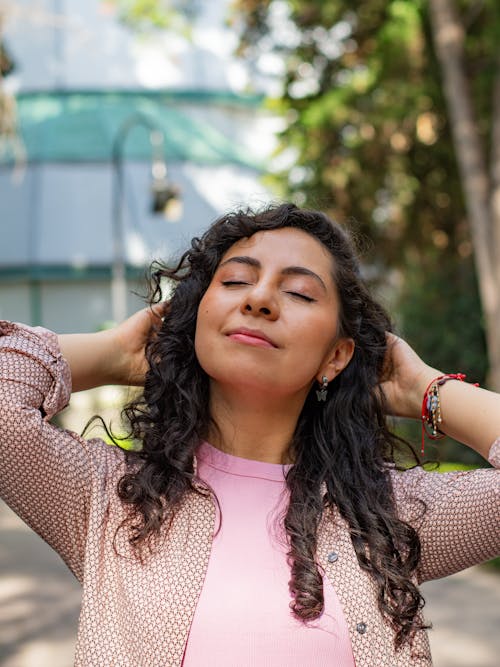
(345, 448)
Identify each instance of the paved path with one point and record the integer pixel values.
(465, 612)
(39, 602)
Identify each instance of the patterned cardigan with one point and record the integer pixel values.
(135, 614)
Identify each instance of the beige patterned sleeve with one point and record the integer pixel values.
(46, 474)
(460, 526)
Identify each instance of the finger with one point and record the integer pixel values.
(159, 310)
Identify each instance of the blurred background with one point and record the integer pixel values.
(127, 126)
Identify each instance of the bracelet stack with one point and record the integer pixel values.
(431, 407)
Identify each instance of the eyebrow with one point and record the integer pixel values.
(287, 271)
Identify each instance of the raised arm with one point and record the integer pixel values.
(47, 474)
(470, 414)
(114, 356)
(460, 525)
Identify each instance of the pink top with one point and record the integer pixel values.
(243, 616)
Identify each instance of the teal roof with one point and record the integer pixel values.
(80, 126)
(58, 273)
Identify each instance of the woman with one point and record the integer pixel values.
(265, 519)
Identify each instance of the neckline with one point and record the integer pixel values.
(236, 465)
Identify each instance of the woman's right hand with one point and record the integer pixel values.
(130, 338)
(113, 356)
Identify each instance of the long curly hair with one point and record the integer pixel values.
(345, 446)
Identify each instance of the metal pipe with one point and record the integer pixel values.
(159, 170)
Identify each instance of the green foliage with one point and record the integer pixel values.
(441, 317)
(147, 15)
(451, 466)
(439, 453)
(123, 443)
(365, 136)
(7, 65)
(494, 564)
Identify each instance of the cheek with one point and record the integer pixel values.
(204, 339)
(319, 332)
(201, 327)
(317, 341)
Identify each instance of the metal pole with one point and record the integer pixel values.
(118, 269)
(118, 273)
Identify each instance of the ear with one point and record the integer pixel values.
(340, 355)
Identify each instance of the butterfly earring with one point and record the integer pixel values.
(321, 393)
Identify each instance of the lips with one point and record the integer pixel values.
(251, 337)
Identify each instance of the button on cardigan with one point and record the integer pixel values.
(139, 615)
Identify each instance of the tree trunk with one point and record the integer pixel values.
(449, 37)
(495, 203)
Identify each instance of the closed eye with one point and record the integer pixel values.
(302, 296)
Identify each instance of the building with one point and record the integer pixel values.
(75, 193)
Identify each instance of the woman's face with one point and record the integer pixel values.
(268, 321)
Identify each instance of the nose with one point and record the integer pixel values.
(261, 302)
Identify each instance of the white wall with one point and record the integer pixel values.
(84, 46)
(64, 307)
(15, 302)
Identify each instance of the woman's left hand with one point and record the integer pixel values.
(405, 378)
(469, 414)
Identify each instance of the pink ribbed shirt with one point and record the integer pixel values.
(243, 616)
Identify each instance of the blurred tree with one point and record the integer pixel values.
(380, 129)
(6, 64)
(7, 104)
(473, 127)
(147, 15)
(10, 138)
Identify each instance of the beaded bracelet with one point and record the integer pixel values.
(431, 407)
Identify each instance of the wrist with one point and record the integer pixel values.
(113, 366)
(419, 387)
(93, 359)
(431, 407)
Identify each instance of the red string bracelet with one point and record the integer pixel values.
(431, 407)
